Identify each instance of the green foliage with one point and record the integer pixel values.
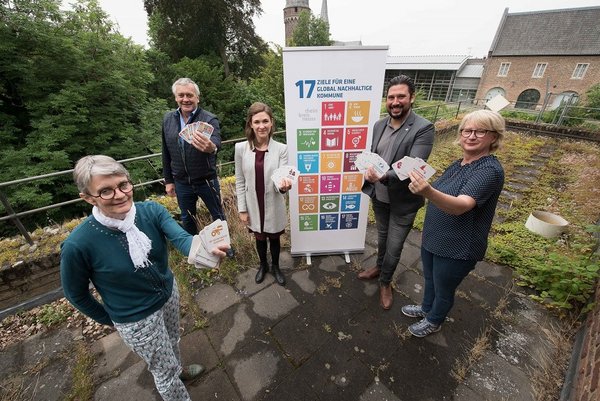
(51, 315)
(70, 85)
(214, 28)
(310, 31)
(267, 86)
(593, 97)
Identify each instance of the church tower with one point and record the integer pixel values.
(324, 13)
(291, 12)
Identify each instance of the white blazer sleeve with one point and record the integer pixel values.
(240, 179)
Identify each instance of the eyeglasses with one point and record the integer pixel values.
(479, 133)
(110, 193)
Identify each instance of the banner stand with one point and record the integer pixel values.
(333, 96)
(309, 258)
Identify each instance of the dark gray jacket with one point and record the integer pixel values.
(185, 163)
(416, 140)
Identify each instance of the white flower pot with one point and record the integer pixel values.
(546, 224)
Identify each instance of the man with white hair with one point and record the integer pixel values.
(190, 169)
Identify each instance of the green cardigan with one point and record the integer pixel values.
(95, 253)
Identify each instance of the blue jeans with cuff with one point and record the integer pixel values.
(442, 278)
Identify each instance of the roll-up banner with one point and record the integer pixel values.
(332, 99)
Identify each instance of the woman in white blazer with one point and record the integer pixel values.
(261, 202)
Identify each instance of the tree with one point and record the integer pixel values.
(222, 28)
(70, 85)
(310, 31)
(593, 96)
(267, 86)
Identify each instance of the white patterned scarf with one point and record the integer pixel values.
(138, 242)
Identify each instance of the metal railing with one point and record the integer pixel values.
(14, 217)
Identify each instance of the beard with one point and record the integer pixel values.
(400, 113)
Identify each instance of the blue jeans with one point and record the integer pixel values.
(442, 278)
(187, 197)
(392, 231)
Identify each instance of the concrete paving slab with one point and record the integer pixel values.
(254, 373)
(372, 336)
(217, 298)
(237, 333)
(112, 356)
(336, 374)
(302, 279)
(127, 386)
(494, 379)
(195, 348)
(414, 237)
(273, 302)
(300, 335)
(499, 275)
(330, 264)
(41, 346)
(481, 292)
(216, 386)
(410, 255)
(247, 286)
(228, 332)
(410, 284)
(378, 392)
(464, 393)
(52, 383)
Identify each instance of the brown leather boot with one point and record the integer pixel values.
(385, 296)
(370, 273)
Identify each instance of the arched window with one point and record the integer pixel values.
(492, 93)
(528, 99)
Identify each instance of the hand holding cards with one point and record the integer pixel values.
(211, 237)
(204, 128)
(289, 172)
(369, 159)
(407, 164)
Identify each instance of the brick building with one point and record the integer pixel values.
(543, 57)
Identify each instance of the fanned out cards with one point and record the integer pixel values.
(211, 237)
(369, 159)
(204, 128)
(407, 164)
(281, 172)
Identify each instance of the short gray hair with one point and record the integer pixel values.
(183, 82)
(89, 166)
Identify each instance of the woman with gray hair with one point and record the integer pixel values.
(122, 250)
(459, 215)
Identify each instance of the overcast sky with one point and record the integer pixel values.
(423, 27)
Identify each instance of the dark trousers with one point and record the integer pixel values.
(442, 278)
(187, 197)
(392, 230)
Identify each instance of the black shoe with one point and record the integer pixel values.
(278, 275)
(262, 271)
(230, 253)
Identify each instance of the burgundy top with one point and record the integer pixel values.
(259, 170)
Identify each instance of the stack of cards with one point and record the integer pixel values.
(369, 159)
(407, 164)
(212, 236)
(187, 133)
(290, 172)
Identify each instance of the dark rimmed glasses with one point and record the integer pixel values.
(479, 133)
(110, 193)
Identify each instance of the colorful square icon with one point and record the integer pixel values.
(328, 221)
(332, 113)
(330, 183)
(358, 113)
